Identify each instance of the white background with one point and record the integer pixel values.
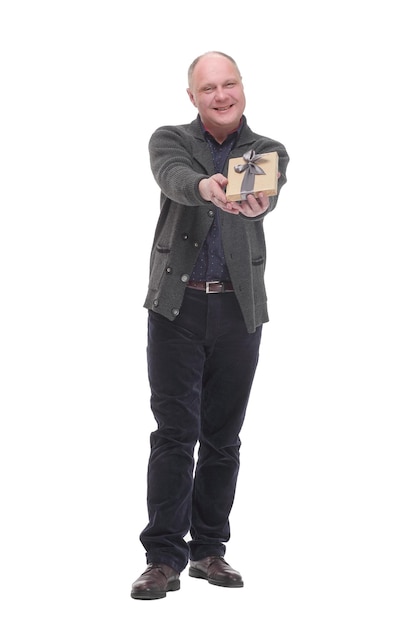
(323, 528)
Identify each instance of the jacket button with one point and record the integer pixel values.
(210, 213)
(185, 278)
(196, 244)
(168, 270)
(175, 312)
(184, 236)
(156, 303)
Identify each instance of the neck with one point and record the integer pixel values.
(220, 134)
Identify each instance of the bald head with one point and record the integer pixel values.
(215, 88)
(213, 53)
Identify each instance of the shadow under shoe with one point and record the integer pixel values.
(155, 581)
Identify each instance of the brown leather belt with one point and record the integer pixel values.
(211, 286)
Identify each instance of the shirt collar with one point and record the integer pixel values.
(234, 132)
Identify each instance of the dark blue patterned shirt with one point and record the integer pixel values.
(211, 262)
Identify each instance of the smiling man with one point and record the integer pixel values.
(216, 89)
(206, 304)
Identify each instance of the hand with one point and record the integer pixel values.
(212, 190)
(252, 207)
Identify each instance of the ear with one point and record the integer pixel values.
(190, 95)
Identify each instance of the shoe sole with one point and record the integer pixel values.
(196, 573)
(155, 595)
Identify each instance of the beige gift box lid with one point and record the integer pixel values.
(266, 183)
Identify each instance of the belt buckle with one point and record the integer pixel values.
(214, 282)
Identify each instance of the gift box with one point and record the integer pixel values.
(251, 174)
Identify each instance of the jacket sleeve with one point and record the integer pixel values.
(171, 160)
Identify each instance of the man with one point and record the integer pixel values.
(207, 304)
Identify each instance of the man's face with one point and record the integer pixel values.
(217, 92)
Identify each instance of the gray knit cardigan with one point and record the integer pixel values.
(180, 157)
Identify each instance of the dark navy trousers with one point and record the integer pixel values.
(201, 368)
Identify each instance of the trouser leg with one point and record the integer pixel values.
(228, 375)
(175, 365)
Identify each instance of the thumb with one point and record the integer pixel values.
(220, 179)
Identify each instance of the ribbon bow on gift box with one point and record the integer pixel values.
(251, 170)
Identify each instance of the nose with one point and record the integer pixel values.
(220, 93)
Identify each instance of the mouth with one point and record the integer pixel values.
(222, 109)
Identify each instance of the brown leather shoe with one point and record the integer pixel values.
(216, 571)
(155, 581)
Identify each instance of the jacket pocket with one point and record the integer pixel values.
(158, 265)
(258, 261)
(258, 273)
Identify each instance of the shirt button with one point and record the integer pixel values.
(175, 312)
(185, 278)
(156, 303)
(184, 236)
(196, 244)
(210, 213)
(169, 270)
